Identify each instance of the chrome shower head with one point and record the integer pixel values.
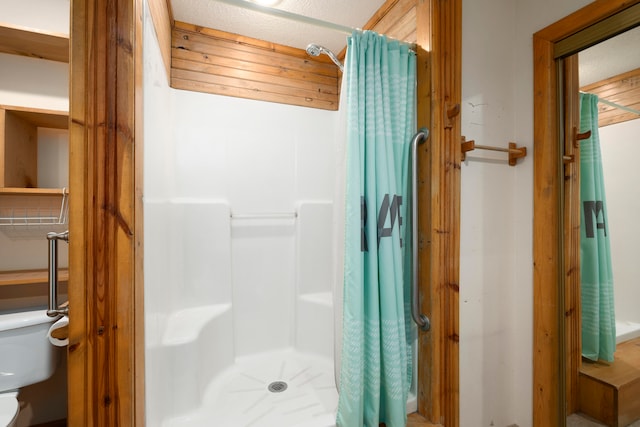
(315, 50)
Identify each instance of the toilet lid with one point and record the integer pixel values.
(8, 408)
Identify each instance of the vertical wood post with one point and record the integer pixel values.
(547, 408)
(439, 31)
(106, 342)
(571, 230)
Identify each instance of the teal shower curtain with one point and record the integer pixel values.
(376, 373)
(598, 318)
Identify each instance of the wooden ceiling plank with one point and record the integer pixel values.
(622, 89)
(271, 69)
(254, 76)
(210, 46)
(258, 87)
(243, 41)
(251, 94)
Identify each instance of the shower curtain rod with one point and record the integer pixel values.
(279, 13)
(621, 107)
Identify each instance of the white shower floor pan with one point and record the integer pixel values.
(240, 396)
(626, 331)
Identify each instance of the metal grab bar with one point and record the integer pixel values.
(53, 238)
(421, 320)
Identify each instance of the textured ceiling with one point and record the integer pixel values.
(610, 58)
(234, 19)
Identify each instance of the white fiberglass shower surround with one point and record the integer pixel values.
(240, 258)
(252, 314)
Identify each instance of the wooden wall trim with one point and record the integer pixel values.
(583, 18)
(427, 359)
(623, 89)
(398, 22)
(571, 234)
(546, 235)
(548, 266)
(212, 61)
(135, 189)
(385, 9)
(106, 334)
(395, 19)
(162, 23)
(439, 32)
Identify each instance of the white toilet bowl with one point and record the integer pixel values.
(27, 357)
(9, 408)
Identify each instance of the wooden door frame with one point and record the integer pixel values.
(551, 271)
(106, 350)
(106, 331)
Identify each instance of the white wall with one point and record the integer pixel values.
(256, 157)
(158, 170)
(34, 82)
(261, 157)
(496, 278)
(488, 333)
(620, 146)
(44, 15)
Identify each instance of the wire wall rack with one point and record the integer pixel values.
(26, 216)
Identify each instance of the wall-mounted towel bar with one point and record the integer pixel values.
(265, 215)
(55, 310)
(514, 151)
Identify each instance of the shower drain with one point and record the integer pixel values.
(277, 387)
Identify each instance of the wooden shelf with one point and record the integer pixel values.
(24, 41)
(13, 191)
(30, 277)
(40, 117)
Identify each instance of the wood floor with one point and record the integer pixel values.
(609, 392)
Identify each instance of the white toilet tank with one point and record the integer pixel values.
(26, 355)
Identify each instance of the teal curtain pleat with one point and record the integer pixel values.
(376, 365)
(598, 316)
